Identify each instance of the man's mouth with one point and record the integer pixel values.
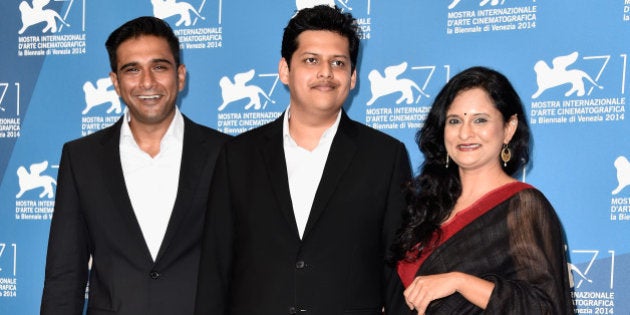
(149, 97)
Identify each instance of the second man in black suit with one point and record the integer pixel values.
(303, 210)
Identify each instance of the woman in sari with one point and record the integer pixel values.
(474, 239)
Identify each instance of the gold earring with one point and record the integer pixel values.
(447, 160)
(506, 155)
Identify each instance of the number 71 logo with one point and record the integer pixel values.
(579, 276)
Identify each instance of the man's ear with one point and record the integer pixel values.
(114, 77)
(181, 77)
(283, 71)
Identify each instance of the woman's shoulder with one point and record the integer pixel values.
(530, 201)
(529, 193)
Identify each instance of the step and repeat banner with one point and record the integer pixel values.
(567, 59)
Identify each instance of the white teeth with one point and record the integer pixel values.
(148, 97)
(468, 146)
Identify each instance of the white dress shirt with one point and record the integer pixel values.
(152, 181)
(305, 169)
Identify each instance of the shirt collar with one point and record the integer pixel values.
(326, 136)
(175, 131)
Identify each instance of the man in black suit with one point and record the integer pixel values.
(302, 210)
(132, 197)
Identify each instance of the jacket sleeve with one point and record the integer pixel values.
(394, 299)
(68, 247)
(217, 243)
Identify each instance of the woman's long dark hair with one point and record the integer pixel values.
(432, 195)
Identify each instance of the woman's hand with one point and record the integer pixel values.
(425, 289)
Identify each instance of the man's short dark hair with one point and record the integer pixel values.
(144, 25)
(321, 18)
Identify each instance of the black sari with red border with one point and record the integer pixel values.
(511, 237)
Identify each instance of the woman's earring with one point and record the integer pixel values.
(506, 155)
(447, 160)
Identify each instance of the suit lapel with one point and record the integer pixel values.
(194, 155)
(115, 181)
(339, 158)
(274, 160)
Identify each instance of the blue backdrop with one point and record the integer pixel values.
(567, 59)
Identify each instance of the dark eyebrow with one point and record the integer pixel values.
(158, 60)
(128, 65)
(135, 63)
(481, 114)
(471, 114)
(320, 55)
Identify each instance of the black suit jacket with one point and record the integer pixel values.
(93, 216)
(253, 256)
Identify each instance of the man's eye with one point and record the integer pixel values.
(310, 60)
(337, 63)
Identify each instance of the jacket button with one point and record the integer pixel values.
(292, 310)
(154, 274)
(300, 264)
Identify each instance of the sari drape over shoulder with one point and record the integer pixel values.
(511, 237)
